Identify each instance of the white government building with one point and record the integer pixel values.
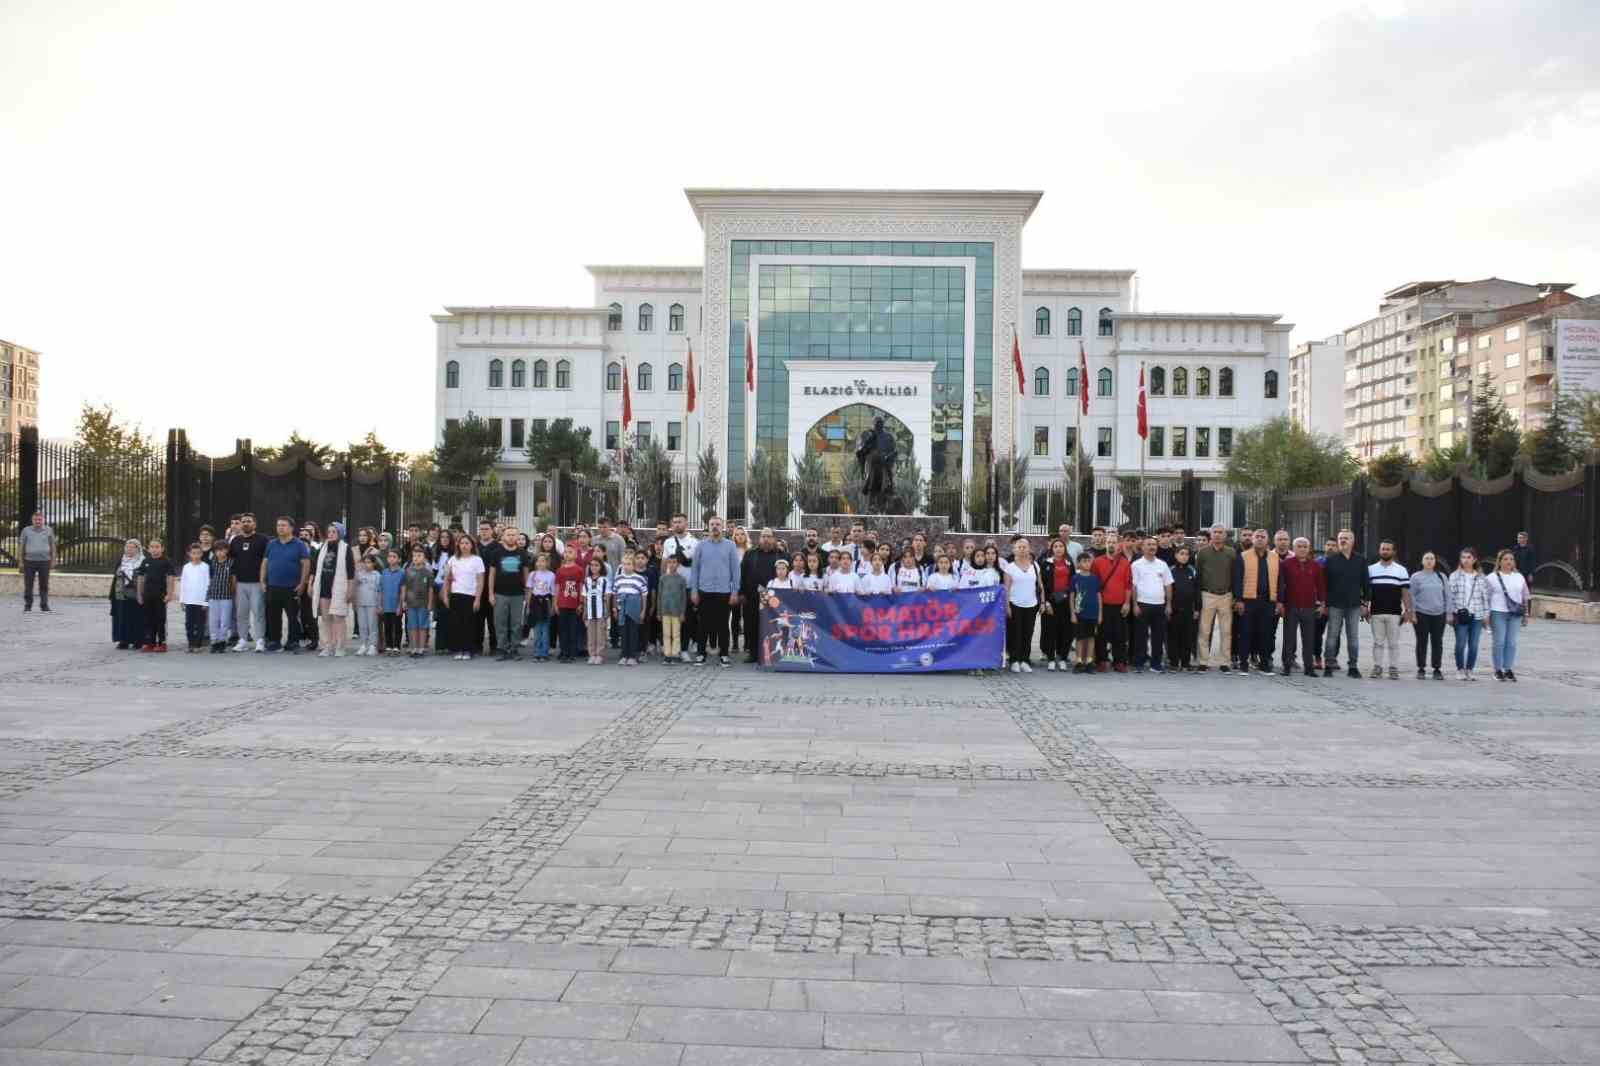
(863, 302)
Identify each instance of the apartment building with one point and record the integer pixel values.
(1316, 385)
(19, 390)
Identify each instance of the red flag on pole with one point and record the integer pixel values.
(749, 359)
(1083, 379)
(627, 397)
(1144, 422)
(689, 387)
(1016, 362)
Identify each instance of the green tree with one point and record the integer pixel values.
(1392, 467)
(1588, 404)
(809, 485)
(708, 481)
(768, 488)
(978, 500)
(1496, 440)
(1441, 463)
(649, 477)
(549, 444)
(910, 487)
(466, 453)
(1558, 445)
(369, 451)
(1279, 455)
(1077, 483)
(115, 470)
(1011, 489)
(320, 454)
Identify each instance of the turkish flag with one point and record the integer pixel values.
(1144, 422)
(689, 388)
(1083, 378)
(1016, 363)
(749, 359)
(627, 398)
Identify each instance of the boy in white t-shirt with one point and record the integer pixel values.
(193, 583)
(842, 578)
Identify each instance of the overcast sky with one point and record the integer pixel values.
(238, 218)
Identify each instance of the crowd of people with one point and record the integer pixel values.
(1120, 601)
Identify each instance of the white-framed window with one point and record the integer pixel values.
(647, 318)
(1105, 322)
(1156, 444)
(1041, 440)
(1484, 341)
(674, 377)
(1180, 381)
(1225, 381)
(644, 377)
(1041, 381)
(613, 377)
(1202, 442)
(675, 318)
(1513, 359)
(563, 374)
(674, 436)
(1103, 382)
(613, 436)
(1072, 381)
(541, 374)
(1158, 381)
(1041, 322)
(1103, 442)
(1202, 381)
(1069, 441)
(452, 375)
(1074, 322)
(614, 319)
(1513, 333)
(1269, 385)
(1224, 442)
(642, 432)
(1513, 387)
(519, 374)
(519, 433)
(497, 374)
(1180, 442)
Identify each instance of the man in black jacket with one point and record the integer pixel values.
(1349, 590)
(1527, 559)
(760, 565)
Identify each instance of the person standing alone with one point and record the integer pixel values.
(38, 556)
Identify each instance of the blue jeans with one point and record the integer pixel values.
(541, 639)
(1467, 643)
(1506, 628)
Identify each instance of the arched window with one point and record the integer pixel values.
(614, 319)
(1225, 381)
(1180, 381)
(519, 374)
(646, 377)
(563, 374)
(647, 318)
(541, 374)
(1104, 382)
(497, 374)
(1074, 322)
(1072, 381)
(613, 377)
(1041, 322)
(1041, 381)
(1158, 381)
(1202, 381)
(1270, 385)
(452, 375)
(1105, 322)
(675, 318)
(674, 377)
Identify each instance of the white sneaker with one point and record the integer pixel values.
(339, 654)
(322, 653)
(241, 646)
(261, 645)
(1016, 668)
(685, 657)
(1027, 668)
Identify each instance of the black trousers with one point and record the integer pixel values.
(714, 622)
(481, 624)
(1322, 636)
(569, 623)
(1019, 633)
(1150, 635)
(1430, 636)
(1183, 630)
(41, 568)
(1056, 642)
(1112, 643)
(1301, 620)
(464, 633)
(303, 626)
(735, 627)
(194, 624)
(281, 604)
(155, 622)
(750, 609)
(391, 630)
(1255, 644)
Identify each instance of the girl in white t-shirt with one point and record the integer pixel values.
(977, 576)
(876, 583)
(842, 578)
(780, 577)
(908, 575)
(1022, 604)
(943, 579)
(813, 578)
(463, 587)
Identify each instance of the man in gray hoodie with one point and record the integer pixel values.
(713, 587)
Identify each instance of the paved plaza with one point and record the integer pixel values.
(297, 861)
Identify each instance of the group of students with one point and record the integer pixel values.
(1122, 601)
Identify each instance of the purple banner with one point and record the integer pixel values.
(921, 632)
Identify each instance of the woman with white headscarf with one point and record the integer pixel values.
(127, 623)
(333, 578)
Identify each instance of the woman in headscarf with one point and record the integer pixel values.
(333, 573)
(127, 623)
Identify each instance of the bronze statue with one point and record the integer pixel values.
(875, 458)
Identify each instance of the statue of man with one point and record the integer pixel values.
(876, 453)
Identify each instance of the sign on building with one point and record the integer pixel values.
(1578, 354)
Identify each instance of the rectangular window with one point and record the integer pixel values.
(1202, 442)
(1483, 367)
(1069, 439)
(642, 432)
(1513, 359)
(508, 493)
(1157, 443)
(674, 436)
(1513, 333)
(1180, 442)
(518, 433)
(539, 425)
(1484, 341)
(1102, 507)
(1512, 388)
(1224, 442)
(1103, 445)
(495, 432)
(1533, 355)
(613, 434)
(451, 423)
(1041, 440)
(1041, 503)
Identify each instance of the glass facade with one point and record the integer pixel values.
(835, 311)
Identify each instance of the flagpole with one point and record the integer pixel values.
(1011, 471)
(749, 420)
(1144, 441)
(1077, 464)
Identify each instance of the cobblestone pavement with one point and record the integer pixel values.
(306, 862)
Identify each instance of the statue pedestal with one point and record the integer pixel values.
(894, 527)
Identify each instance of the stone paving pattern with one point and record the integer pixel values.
(302, 862)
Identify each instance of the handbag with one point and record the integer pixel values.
(1522, 608)
(1464, 614)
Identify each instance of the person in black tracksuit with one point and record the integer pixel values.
(758, 567)
(1055, 598)
(1185, 622)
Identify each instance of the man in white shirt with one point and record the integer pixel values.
(681, 544)
(1152, 607)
